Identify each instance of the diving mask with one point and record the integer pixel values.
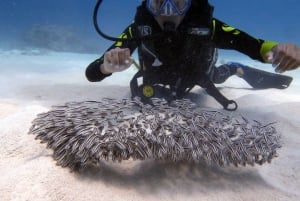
(168, 7)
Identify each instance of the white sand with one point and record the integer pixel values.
(28, 171)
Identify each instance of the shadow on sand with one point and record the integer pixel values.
(155, 176)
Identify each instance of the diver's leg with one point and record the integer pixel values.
(258, 79)
(222, 73)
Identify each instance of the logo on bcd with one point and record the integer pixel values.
(145, 30)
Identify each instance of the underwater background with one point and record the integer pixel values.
(66, 25)
(45, 47)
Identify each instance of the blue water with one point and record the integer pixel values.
(69, 22)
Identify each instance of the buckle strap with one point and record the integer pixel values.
(134, 88)
(212, 90)
(205, 83)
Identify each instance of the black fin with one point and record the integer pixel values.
(260, 79)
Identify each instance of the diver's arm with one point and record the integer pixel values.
(227, 37)
(93, 73)
(98, 70)
(283, 56)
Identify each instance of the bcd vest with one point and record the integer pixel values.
(176, 60)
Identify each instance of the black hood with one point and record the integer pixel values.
(200, 13)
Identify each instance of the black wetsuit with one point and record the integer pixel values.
(186, 55)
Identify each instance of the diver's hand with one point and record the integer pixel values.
(116, 60)
(284, 57)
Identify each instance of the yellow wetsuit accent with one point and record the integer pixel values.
(228, 28)
(130, 32)
(267, 47)
(124, 35)
(213, 29)
(120, 43)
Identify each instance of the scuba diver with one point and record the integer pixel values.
(177, 50)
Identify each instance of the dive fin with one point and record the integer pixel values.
(260, 79)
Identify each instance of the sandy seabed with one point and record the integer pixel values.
(28, 171)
